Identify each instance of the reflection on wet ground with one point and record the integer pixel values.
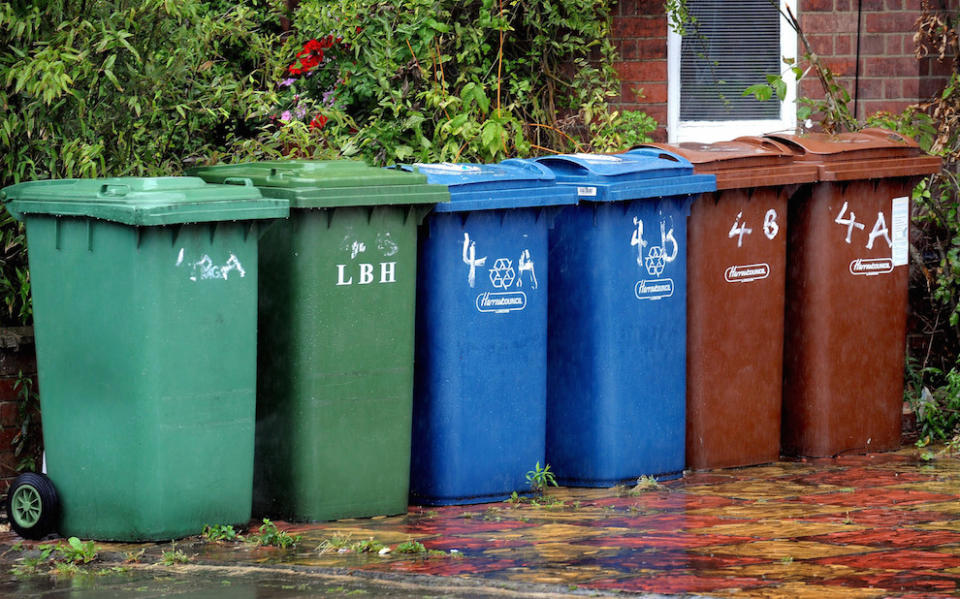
(881, 525)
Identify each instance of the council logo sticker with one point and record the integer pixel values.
(746, 273)
(871, 266)
(653, 289)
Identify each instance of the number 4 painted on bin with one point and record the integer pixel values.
(739, 229)
(879, 227)
(637, 239)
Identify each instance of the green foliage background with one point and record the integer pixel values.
(148, 87)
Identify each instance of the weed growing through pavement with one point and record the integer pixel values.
(269, 534)
(220, 532)
(347, 545)
(61, 559)
(541, 478)
(174, 556)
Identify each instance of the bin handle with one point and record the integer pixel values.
(276, 173)
(768, 143)
(879, 133)
(656, 151)
(114, 189)
(244, 181)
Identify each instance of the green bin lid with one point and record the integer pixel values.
(329, 183)
(137, 201)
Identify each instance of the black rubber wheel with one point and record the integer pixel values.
(33, 506)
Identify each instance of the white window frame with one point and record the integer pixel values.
(711, 131)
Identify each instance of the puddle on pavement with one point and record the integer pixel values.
(876, 525)
(233, 583)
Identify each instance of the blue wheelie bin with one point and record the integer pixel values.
(617, 312)
(480, 385)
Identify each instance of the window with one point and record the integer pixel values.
(735, 45)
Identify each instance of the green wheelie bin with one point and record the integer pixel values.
(337, 298)
(144, 298)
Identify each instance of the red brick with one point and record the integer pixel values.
(911, 88)
(6, 438)
(930, 87)
(890, 67)
(627, 8)
(909, 46)
(873, 45)
(893, 45)
(651, 7)
(7, 390)
(8, 461)
(655, 93)
(874, 106)
(914, 5)
(840, 66)
(634, 27)
(844, 45)
(872, 5)
(889, 22)
(657, 111)
(842, 5)
(642, 72)
(830, 22)
(894, 4)
(816, 5)
(628, 92)
(936, 68)
(652, 48)
(9, 413)
(891, 89)
(627, 49)
(811, 89)
(871, 88)
(821, 44)
(623, 105)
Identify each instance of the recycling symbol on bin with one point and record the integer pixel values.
(655, 261)
(502, 274)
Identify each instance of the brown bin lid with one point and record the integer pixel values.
(746, 162)
(868, 154)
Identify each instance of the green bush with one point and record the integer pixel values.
(93, 89)
(434, 80)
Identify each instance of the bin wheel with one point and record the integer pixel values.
(32, 506)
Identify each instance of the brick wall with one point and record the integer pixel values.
(891, 78)
(640, 34)
(16, 356)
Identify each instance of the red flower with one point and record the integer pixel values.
(313, 46)
(318, 122)
(309, 57)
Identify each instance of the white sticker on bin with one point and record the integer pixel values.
(448, 167)
(900, 229)
(587, 192)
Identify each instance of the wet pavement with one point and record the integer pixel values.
(879, 525)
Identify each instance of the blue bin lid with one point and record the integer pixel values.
(638, 174)
(511, 184)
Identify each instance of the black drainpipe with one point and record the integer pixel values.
(856, 77)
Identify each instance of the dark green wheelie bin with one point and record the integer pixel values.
(337, 297)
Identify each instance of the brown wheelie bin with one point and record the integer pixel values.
(736, 243)
(846, 294)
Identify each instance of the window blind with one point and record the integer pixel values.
(734, 44)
